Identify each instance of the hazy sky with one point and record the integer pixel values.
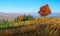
(28, 6)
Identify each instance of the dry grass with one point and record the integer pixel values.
(38, 27)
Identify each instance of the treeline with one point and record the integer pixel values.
(6, 23)
(24, 18)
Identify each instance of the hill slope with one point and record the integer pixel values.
(38, 27)
(9, 16)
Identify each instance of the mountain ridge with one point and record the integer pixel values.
(11, 16)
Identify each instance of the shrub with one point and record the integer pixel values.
(29, 17)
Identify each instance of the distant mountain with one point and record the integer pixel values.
(54, 15)
(9, 16)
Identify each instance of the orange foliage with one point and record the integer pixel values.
(44, 10)
(21, 17)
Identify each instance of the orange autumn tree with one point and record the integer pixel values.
(45, 10)
(21, 17)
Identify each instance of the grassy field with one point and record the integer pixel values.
(37, 27)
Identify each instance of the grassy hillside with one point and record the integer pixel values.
(37, 27)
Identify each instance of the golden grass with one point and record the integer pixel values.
(38, 21)
(37, 27)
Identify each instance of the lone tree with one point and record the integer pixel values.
(45, 10)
